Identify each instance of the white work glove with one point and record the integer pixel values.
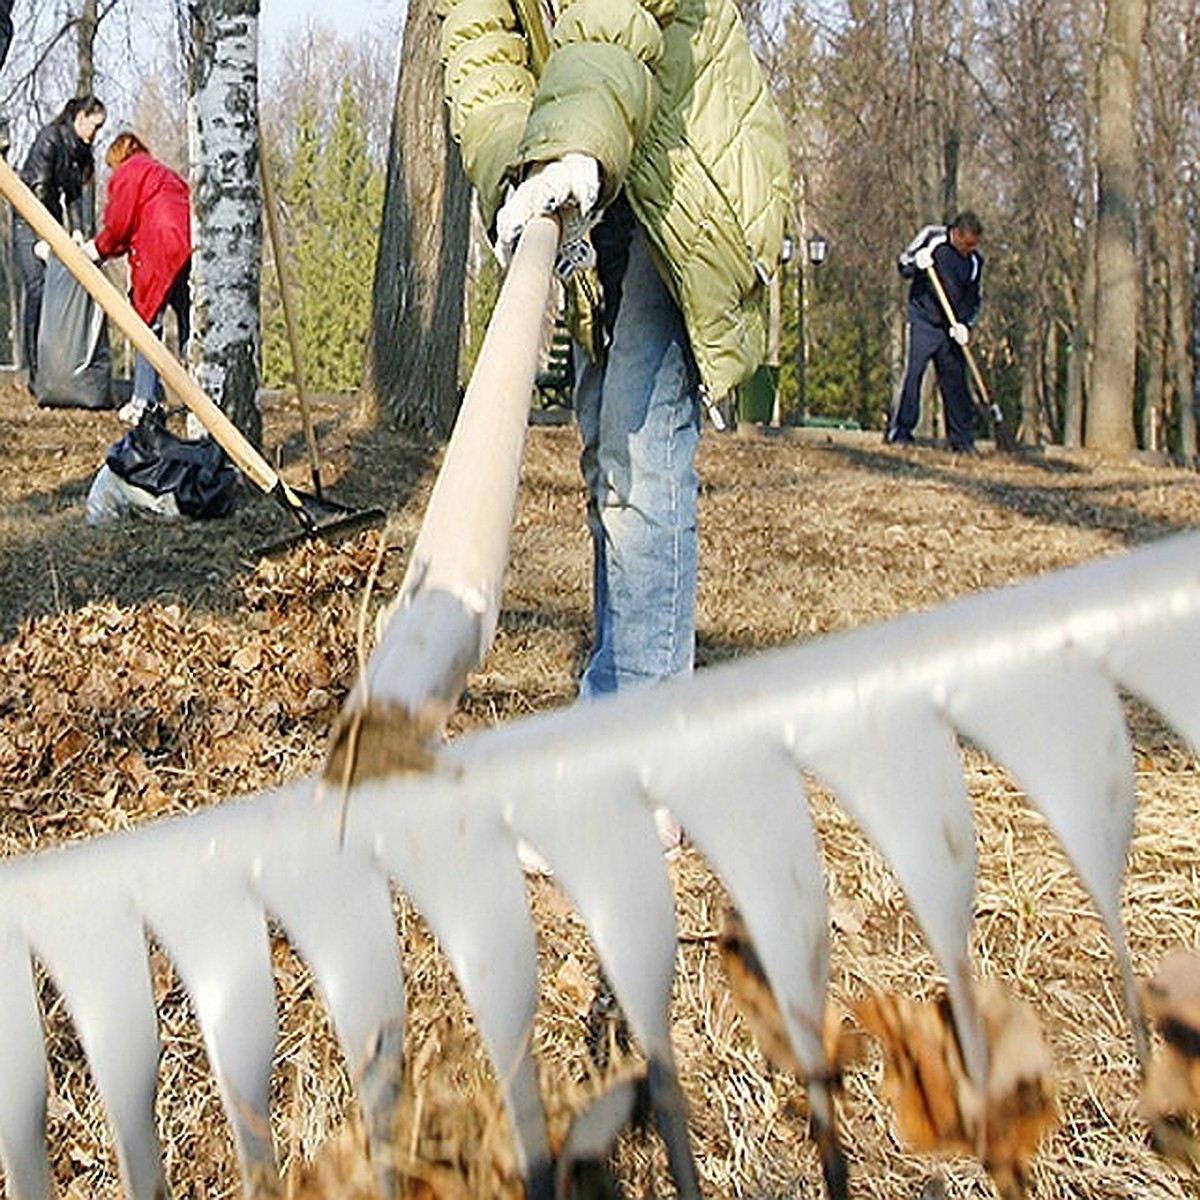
(923, 258)
(960, 333)
(41, 248)
(89, 248)
(571, 185)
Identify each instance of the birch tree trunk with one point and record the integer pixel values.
(420, 273)
(227, 204)
(1110, 409)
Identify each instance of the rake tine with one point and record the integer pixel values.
(443, 848)
(23, 1079)
(934, 858)
(589, 845)
(1083, 786)
(98, 960)
(749, 817)
(360, 976)
(216, 934)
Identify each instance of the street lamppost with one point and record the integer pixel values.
(786, 250)
(817, 247)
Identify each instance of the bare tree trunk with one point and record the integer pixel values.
(1027, 426)
(953, 91)
(1080, 365)
(1195, 338)
(85, 84)
(421, 269)
(1154, 416)
(1179, 303)
(85, 47)
(1049, 421)
(1083, 289)
(227, 263)
(1110, 410)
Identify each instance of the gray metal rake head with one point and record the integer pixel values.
(1032, 674)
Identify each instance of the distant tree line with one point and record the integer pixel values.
(1071, 127)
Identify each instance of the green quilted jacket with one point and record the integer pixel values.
(666, 95)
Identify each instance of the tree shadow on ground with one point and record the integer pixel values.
(1084, 500)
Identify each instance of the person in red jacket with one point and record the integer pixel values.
(148, 216)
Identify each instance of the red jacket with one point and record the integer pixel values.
(148, 216)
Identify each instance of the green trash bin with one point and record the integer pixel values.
(756, 398)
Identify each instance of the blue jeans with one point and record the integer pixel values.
(639, 417)
(146, 384)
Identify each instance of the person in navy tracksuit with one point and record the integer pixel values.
(953, 251)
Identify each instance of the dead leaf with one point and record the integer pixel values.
(760, 1010)
(67, 745)
(572, 982)
(938, 1107)
(247, 659)
(1171, 1092)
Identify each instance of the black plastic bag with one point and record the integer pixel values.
(198, 473)
(74, 368)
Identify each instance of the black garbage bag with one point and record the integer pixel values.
(197, 473)
(74, 368)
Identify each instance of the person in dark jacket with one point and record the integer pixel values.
(953, 251)
(148, 216)
(57, 169)
(6, 28)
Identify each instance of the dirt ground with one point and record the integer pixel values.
(148, 668)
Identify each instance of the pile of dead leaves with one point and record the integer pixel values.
(112, 709)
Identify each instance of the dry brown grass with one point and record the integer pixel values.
(150, 669)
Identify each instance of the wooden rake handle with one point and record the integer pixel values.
(271, 209)
(441, 624)
(948, 309)
(228, 436)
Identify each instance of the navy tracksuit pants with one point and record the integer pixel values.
(928, 341)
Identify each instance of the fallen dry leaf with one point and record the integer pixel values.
(760, 1010)
(1171, 1092)
(938, 1107)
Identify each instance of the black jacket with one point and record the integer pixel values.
(6, 28)
(57, 169)
(961, 276)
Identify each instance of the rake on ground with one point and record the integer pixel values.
(316, 516)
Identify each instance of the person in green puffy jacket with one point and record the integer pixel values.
(648, 127)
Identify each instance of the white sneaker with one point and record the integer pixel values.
(133, 412)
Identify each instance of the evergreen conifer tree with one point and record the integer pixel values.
(332, 194)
